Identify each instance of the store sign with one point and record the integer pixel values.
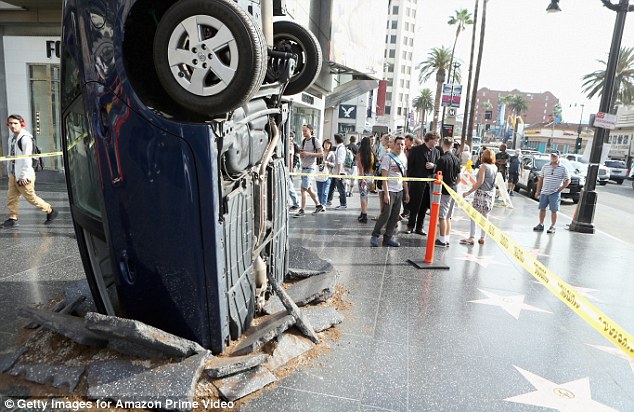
(347, 111)
(53, 48)
(605, 120)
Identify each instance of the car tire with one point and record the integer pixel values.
(603, 183)
(290, 37)
(531, 189)
(619, 182)
(225, 67)
(575, 200)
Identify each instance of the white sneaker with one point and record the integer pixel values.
(341, 207)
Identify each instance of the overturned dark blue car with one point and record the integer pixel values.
(174, 134)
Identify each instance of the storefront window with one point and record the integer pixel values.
(45, 107)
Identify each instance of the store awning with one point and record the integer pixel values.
(350, 90)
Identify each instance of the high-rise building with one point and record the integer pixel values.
(398, 67)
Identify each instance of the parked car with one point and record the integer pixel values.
(618, 170)
(532, 168)
(581, 165)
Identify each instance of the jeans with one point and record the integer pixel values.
(322, 191)
(341, 187)
(291, 192)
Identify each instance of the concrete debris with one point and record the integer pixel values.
(79, 289)
(221, 367)
(139, 339)
(172, 385)
(322, 317)
(288, 347)
(240, 385)
(61, 307)
(43, 373)
(70, 326)
(312, 290)
(8, 360)
(270, 328)
(303, 260)
(294, 273)
(302, 323)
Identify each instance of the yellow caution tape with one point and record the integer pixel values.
(6, 158)
(579, 304)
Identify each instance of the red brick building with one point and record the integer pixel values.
(540, 106)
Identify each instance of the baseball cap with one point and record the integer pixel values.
(555, 153)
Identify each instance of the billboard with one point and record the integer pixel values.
(358, 26)
(451, 95)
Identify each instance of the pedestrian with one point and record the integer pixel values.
(554, 178)
(21, 174)
(422, 163)
(465, 156)
(340, 158)
(502, 160)
(325, 169)
(385, 147)
(354, 148)
(309, 153)
(365, 162)
(394, 164)
(293, 165)
(484, 189)
(449, 166)
(515, 171)
(409, 143)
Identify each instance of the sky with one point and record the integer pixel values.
(526, 48)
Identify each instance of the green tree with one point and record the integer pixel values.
(460, 19)
(437, 63)
(623, 92)
(557, 111)
(518, 104)
(423, 103)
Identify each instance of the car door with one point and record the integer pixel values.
(525, 172)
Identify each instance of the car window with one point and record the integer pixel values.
(539, 163)
(616, 164)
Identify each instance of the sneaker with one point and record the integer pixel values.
(293, 208)
(551, 229)
(374, 241)
(51, 216)
(440, 243)
(318, 208)
(391, 242)
(10, 223)
(364, 219)
(299, 213)
(341, 207)
(329, 203)
(538, 228)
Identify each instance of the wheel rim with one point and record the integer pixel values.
(292, 44)
(202, 55)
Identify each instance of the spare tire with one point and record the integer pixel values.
(210, 56)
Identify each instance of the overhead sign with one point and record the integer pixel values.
(605, 120)
(451, 95)
(347, 111)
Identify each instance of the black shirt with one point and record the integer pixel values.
(449, 165)
(417, 157)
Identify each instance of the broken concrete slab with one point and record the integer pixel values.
(312, 290)
(238, 386)
(79, 288)
(61, 307)
(322, 317)
(288, 347)
(302, 259)
(270, 328)
(70, 326)
(139, 339)
(173, 385)
(61, 375)
(9, 359)
(300, 321)
(221, 367)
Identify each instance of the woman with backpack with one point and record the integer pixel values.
(365, 165)
(324, 169)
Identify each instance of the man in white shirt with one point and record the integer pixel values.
(340, 158)
(394, 164)
(310, 151)
(553, 180)
(21, 173)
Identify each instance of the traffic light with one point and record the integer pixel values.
(578, 145)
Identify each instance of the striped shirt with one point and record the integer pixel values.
(554, 176)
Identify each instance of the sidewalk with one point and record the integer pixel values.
(482, 336)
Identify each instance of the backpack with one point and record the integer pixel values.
(38, 163)
(349, 162)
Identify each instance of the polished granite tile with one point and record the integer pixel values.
(281, 398)
(386, 380)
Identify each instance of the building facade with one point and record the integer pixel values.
(621, 139)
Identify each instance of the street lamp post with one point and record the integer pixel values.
(578, 142)
(584, 214)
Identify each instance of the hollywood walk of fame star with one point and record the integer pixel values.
(483, 261)
(513, 305)
(570, 396)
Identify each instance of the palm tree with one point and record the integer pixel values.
(623, 92)
(437, 62)
(557, 110)
(466, 138)
(423, 103)
(461, 18)
(518, 104)
(476, 77)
